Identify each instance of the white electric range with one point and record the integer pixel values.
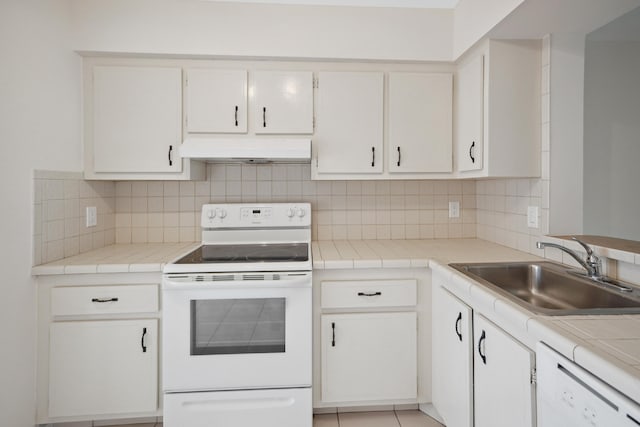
(236, 323)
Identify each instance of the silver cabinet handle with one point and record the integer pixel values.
(373, 156)
(398, 156)
(264, 117)
(473, 159)
(170, 155)
(236, 116)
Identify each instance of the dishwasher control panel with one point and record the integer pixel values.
(570, 396)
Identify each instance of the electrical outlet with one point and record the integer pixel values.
(454, 209)
(92, 216)
(532, 217)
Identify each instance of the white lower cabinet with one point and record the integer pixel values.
(482, 376)
(452, 359)
(368, 357)
(367, 339)
(98, 347)
(103, 367)
(503, 390)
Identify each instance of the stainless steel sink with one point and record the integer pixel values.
(551, 289)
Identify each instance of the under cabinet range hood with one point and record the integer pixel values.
(253, 150)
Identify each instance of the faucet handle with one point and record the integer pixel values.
(586, 247)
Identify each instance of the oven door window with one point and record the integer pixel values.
(236, 326)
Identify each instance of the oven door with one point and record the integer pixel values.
(221, 332)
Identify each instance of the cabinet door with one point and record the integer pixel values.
(452, 358)
(137, 119)
(504, 393)
(420, 122)
(103, 367)
(369, 357)
(216, 101)
(469, 100)
(282, 102)
(349, 131)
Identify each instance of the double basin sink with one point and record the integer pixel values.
(552, 289)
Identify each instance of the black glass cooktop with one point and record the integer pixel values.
(248, 253)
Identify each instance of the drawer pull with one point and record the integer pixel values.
(365, 294)
(104, 299)
(142, 340)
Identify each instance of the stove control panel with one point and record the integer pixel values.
(258, 215)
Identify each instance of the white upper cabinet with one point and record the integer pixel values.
(349, 134)
(133, 123)
(420, 114)
(216, 101)
(137, 119)
(497, 104)
(281, 102)
(470, 120)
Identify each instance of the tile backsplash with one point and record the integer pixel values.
(60, 201)
(167, 211)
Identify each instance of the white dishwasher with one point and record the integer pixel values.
(569, 396)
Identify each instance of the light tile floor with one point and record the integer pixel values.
(351, 419)
(375, 419)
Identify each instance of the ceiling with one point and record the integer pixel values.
(421, 4)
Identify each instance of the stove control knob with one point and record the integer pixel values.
(221, 213)
(301, 212)
(211, 213)
(291, 212)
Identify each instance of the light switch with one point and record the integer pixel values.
(532, 217)
(454, 209)
(92, 216)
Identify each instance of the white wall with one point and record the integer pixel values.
(612, 141)
(39, 128)
(473, 19)
(565, 110)
(190, 27)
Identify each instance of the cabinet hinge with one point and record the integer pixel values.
(316, 83)
(534, 376)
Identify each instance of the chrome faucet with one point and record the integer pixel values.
(592, 263)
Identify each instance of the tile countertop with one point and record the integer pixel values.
(408, 253)
(608, 346)
(129, 258)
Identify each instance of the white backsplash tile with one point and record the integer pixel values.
(60, 200)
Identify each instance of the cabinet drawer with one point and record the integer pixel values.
(368, 293)
(79, 300)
